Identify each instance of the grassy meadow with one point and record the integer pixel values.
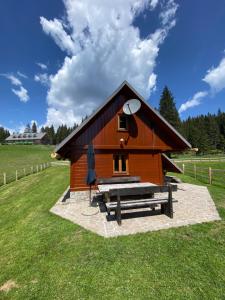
(46, 257)
(18, 157)
(200, 169)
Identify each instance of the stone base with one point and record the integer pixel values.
(82, 195)
(193, 205)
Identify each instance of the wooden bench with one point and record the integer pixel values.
(114, 180)
(131, 198)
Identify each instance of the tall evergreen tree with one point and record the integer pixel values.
(168, 110)
(34, 127)
(50, 133)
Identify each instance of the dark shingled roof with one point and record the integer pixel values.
(25, 136)
(84, 123)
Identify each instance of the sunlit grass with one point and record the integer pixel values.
(51, 258)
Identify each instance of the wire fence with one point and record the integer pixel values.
(15, 175)
(204, 174)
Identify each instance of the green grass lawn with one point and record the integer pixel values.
(51, 258)
(18, 157)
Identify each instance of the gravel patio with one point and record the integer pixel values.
(194, 205)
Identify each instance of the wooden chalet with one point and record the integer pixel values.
(124, 145)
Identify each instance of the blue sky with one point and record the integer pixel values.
(59, 60)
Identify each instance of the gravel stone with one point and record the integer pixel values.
(194, 205)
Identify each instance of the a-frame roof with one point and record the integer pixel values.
(95, 113)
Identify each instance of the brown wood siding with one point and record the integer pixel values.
(146, 165)
(144, 131)
(147, 137)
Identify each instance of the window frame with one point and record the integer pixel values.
(120, 172)
(118, 121)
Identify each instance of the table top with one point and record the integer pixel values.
(103, 188)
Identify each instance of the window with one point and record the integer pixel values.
(122, 122)
(120, 163)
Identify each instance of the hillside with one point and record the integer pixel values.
(15, 157)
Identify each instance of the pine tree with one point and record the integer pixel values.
(34, 127)
(213, 132)
(168, 110)
(50, 133)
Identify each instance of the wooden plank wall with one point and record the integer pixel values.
(144, 131)
(146, 165)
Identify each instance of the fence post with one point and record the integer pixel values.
(37, 168)
(210, 175)
(24, 172)
(32, 170)
(16, 175)
(195, 171)
(41, 167)
(4, 178)
(183, 166)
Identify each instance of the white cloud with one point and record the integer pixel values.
(42, 66)
(11, 130)
(21, 127)
(13, 79)
(152, 82)
(56, 30)
(167, 15)
(103, 49)
(22, 75)
(194, 101)
(42, 78)
(215, 77)
(22, 94)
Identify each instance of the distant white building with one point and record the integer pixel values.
(27, 137)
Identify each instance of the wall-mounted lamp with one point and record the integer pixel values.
(122, 142)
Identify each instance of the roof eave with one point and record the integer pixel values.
(172, 163)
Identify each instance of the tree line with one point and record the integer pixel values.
(4, 133)
(205, 132)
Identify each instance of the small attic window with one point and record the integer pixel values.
(122, 122)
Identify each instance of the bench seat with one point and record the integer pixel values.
(129, 198)
(136, 203)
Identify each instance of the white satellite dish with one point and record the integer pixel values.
(131, 106)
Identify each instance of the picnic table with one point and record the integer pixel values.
(105, 188)
(140, 195)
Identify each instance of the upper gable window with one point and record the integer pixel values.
(122, 122)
